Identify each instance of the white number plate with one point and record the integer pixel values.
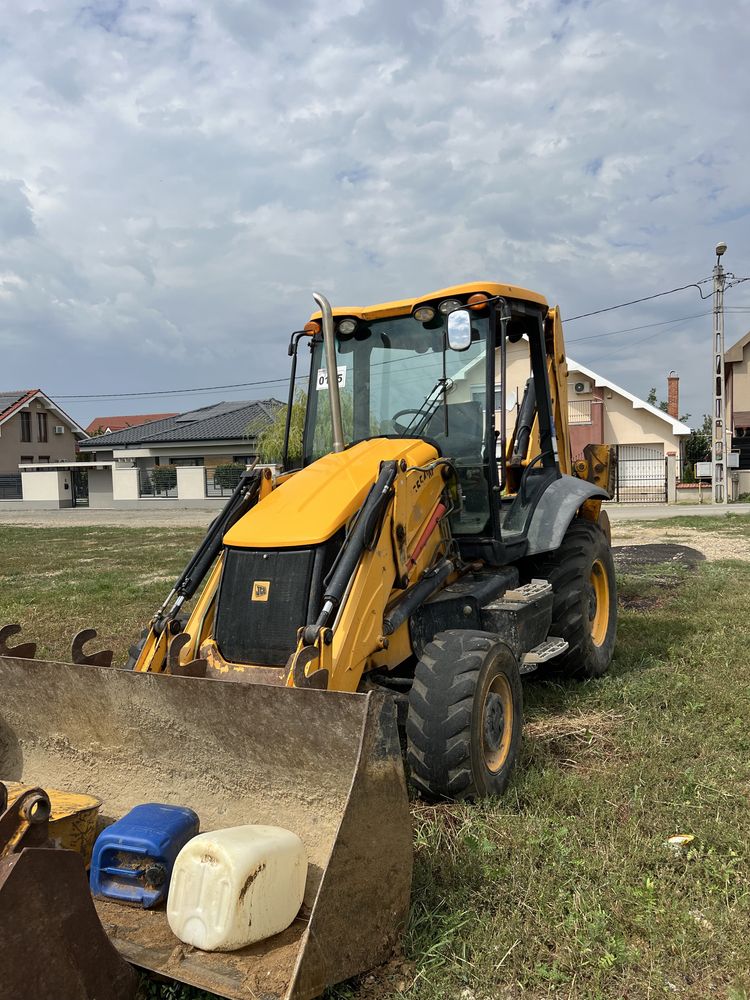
(322, 379)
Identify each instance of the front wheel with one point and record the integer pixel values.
(465, 716)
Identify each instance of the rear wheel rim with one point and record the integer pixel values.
(598, 603)
(497, 723)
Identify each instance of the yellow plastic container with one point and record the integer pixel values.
(73, 818)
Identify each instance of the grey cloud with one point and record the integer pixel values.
(16, 217)
(177, 176)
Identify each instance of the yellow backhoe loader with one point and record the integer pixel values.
(384, 592)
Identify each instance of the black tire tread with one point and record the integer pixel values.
(439, 722)
(567, 569)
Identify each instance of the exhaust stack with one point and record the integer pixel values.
(329, 343)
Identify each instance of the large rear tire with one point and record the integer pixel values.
(465, 716)
(584, 609)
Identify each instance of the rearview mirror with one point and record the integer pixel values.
(459, 330)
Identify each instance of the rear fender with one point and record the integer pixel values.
(555, 510)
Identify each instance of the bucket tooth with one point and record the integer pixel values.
(23, 651)
(101, 659)
(193, 668)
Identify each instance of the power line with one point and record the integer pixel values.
(633, 329)
(646, 298)
(236, 386)
(178, 392)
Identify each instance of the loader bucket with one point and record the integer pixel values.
(325, 765)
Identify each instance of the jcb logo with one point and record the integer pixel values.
(261, 589)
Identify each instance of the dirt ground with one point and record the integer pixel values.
(714, 543)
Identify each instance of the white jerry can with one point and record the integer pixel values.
(232, 887)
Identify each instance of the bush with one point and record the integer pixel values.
(227, 476)
(164, 477)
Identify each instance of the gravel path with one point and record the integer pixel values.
(730, 542)
(150, 516)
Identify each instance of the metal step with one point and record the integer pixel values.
(547, 650)
(527, 593)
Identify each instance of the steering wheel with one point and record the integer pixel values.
(400, 428)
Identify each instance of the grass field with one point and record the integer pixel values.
(565, 887)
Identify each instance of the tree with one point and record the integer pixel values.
(271, 438)
(697, 448)
(652, 400)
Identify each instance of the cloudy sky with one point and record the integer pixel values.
(176, 177)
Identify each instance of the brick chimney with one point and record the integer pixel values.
(673, 395)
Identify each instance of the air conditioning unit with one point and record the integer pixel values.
(582, 386)
(59, 428)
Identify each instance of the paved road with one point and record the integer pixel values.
(152, 515)
(657, 512)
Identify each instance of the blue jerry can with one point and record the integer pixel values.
(133, 858)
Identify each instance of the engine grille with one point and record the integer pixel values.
(262, 601)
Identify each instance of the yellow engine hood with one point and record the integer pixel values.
(318, 500)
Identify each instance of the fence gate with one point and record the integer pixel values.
(79, 482)
(641, 474)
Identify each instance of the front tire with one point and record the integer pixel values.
(584, 608)
(465, 716)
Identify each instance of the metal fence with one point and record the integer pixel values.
(641, 475)
(222, 481)
(10, 486)
(157, 483)
(579, 411)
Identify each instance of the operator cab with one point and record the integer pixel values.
(434, 368)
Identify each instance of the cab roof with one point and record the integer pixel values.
(403, 307)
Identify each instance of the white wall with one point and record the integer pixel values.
(51, 490)
(125, 484)
(100, 489)
(191, 482)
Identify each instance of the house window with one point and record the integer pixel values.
(183, 462)
(41, 426)
(43, 458)
(26, 427)
(477, 394)
(27, 459)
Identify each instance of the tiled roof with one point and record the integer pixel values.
(10, 399)
(129, 420)
(13, 399)
(217, 422)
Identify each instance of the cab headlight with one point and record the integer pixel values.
(449, 305)
(424, 314)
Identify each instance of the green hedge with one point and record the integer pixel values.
(164, 477)
(227, 476)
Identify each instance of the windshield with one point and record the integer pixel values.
(392, 381)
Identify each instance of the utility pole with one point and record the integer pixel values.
(719, 437)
